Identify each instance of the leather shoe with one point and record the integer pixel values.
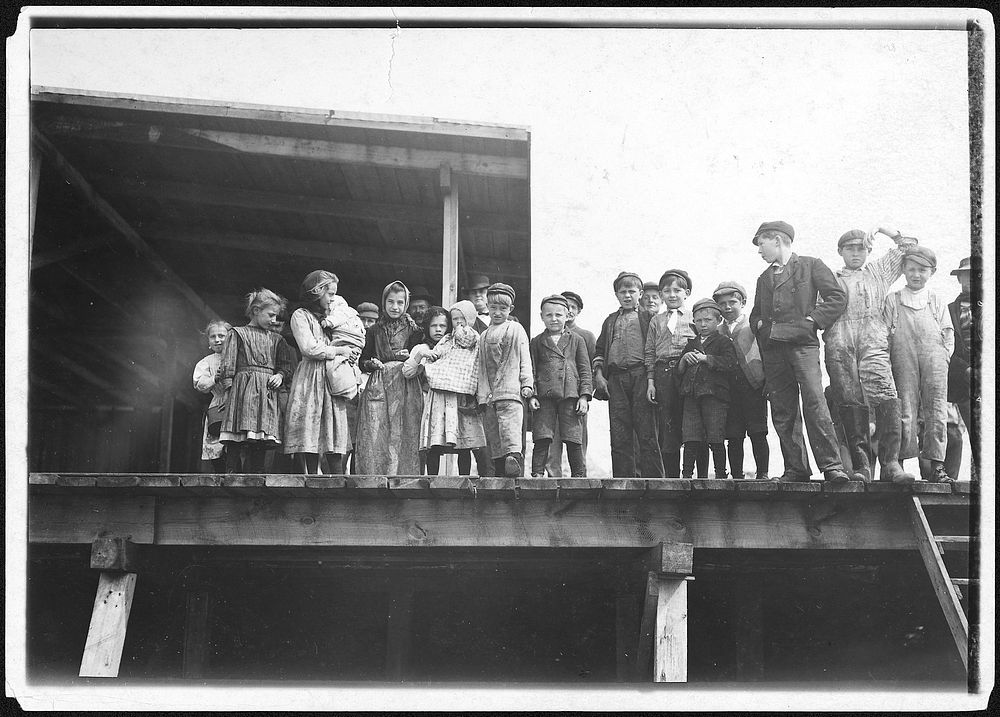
(836, 475)
(789, 477)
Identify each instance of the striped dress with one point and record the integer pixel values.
(250, 357)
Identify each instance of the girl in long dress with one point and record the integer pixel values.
(391, 406)
(255, 362)
(205, 380)
(316, 420)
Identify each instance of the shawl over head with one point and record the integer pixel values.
(468, 310)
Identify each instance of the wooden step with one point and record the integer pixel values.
(965, 581)
(958, 543)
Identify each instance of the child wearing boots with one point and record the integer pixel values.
(563, 381)
(705, 367)
(505, 381)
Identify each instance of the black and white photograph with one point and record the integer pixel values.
(550, 359)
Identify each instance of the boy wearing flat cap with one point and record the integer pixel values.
(921, 340)
(786, 316)
(505, 381)
(619, 354)
(857, 353)
(747, 414)
(563, 387)
(669, 333)
(706, 367)
(968, 336)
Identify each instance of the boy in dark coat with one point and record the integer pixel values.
(563, 387)
(619, 355)
(960, 366)
(706, 367)
(785, 318)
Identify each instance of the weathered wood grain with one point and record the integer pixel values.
(102, 653)
(670, 646)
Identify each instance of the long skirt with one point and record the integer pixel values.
(315, 420)
(389, 424)
(445, 424)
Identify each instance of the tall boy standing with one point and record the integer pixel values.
(563, 387)
(857, 353)
(505, 381)
(785, 318)
(747, 414)
(921, 339)
(619, 352)
(669, 333)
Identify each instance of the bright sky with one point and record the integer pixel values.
(650, 149)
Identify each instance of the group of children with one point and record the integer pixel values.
(434, 380)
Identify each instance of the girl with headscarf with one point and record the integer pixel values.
(316, 420)
(450, 422)
(391, 405)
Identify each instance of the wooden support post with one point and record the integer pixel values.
(749, 618)
(167, 416)
(102, 654)
(399, 633)
(196, 633)
(449, 278)
(663, 629)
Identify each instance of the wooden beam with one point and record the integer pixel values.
(238, 198)
(670, 643)
(80, 519)
(102, 654)
(74, 177)
(134, 103)
(114, 553)
(399, 633)
(450, 238)
(647, 626)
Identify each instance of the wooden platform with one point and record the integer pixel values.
(448, 511)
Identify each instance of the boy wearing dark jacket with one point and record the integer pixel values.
(706, 367)
(785, 318)
(563, 387)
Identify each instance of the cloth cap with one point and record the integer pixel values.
(855, 236)
(730, 287)
(555, 299)
(478, 281)
(368, 310)
(705, 304)
(314, 284)
(406, 293)
(650, 286)
(679, 273)
(624, 274)
(420, 292)
(468, 310)
(922, 255)
(500, 288)
(964, 265)
(573, 296)
(778, 226)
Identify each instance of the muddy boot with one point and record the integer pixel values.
(854, 419)
(512, 465)
(888, 432)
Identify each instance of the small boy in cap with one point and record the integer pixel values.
(857, 353)
(705, 366)
(669, 333)
(575, 305)
(650, 301)
(368, 313)
(786, 316)
(505, 381)
(968, 337)
(747, 414)
(921, 339)
(563, 387)
(619, 353)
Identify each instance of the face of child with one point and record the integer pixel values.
(458, 318)
(769, 246)
(706, 321)
(265, 317)
(499, 311)
(554, 318)
(395, 304)
(278, 326)
(673, 295)
(572, 312)
(418, 309)
(628, 295)
(731, 305)
(650, 301)
(916, 274)
(437, 328)
(326, 298)
(478, 298)
(367, 322)
(855, 255)
(217, 338)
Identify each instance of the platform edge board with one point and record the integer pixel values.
(712, 484)
(799, 486)
(965, 487)
(492, 487)
(87, 480)
(844, 487)
(744, 486)
(668, 488)
(117, 481)
(43, 478)
(623, 488)
(244, 484)
(409, 486)
(364, 486)
(320, 484)
(530, 488)
(885, 487)
(924, 487)
(578, 488)
(284, 484)
(452, 487)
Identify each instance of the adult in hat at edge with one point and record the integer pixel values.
(967, 325)
(475, 292)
